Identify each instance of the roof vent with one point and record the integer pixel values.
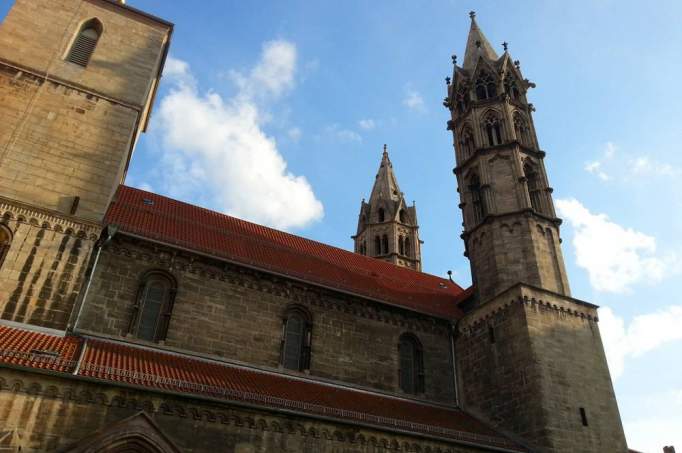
(148, 202)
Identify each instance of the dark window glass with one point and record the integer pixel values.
(479, 209)
(381, 214)
(411, 365)
(377, 245)
(154, 307)
(407, 246)
(384, 244)
(293, 342)
(401, 245)
(402, 216)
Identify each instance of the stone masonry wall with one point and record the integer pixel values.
(528, 361)
(37, 34)
(235, 313)
(41, 413)
(42, 273)
(65, 144)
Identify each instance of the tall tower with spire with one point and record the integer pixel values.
(387, 226)
(530, 356)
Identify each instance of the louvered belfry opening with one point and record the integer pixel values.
(84, 45)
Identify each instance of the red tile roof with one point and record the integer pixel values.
(180, 224)
(145, 367)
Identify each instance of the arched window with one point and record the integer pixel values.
(479, 209)
(363, 248)
(485, 86)
(401, 245)
(533, 184)
(5, 241)
(403, 217)
(522, 130)
(84, 45)
(382, 215)
(296, 336)
(493, 129)
(384, 244)
(466, 142)
(377, 245)
(411, 373)
(462, 99)
(152, 311)
(511, 87)
(407, 246)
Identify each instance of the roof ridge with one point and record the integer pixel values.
(276, 244)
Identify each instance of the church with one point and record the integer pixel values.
(132, 322)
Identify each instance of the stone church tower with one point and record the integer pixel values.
(532, 357)
(387, 226)
(77, 81)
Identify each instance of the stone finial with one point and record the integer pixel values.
(505, 46)
(472, 15)
(454, 59)
(517, 63)
(669, 449)
(447, 80)
(450, 276)
(385, 148)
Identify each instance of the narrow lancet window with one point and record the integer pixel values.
(533, 184)
(493, 129)
(411, 373)
(479, 210)
(154, 305)
(384, 244)
(296, 336)
(5, 241)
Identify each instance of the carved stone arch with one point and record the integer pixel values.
(492, 127)
(21, 218)
(34, 222)
(7, 215)
(138, 433)
(467, 141)
(312, 432)
(522, 129)
(485, 81)
(326, 434)
(361, 439)
(338, 435)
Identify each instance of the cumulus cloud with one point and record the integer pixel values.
(414, 101)
(367, 124)
(614, 257)
(643, 334)
(627, 166)
(217, 151)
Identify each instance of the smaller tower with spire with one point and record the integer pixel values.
(387, 226)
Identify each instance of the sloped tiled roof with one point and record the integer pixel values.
(194, 228)
(111, 361)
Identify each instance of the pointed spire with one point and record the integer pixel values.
(477, 45)
(386, 184)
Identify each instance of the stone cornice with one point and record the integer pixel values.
(11, 210)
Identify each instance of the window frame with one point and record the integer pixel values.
(305, 345)
(77, 43)
(418, 375)
(165, 310)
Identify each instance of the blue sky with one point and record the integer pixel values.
(304, 94)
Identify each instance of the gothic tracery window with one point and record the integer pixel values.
(492, 127)
(401, 245)
(511, 87)
(407, 246)
(485, 86)
(462, 99)
(5, 241)
(381, 214)
(153, 307)
(85, 43)
(478, 206)
(411, 373)
(533, 184)
(467, 142)
(296, 338)
(403, 217)
(384, 244)
(522, 130)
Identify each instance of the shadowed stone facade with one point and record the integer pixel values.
(514, 352)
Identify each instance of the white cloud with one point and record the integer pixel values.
(643, 334)
(342, 135)
(294, 134)
(367, 124)
(628, 165)
(615, 257)
(217, 151)
(414, 101)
